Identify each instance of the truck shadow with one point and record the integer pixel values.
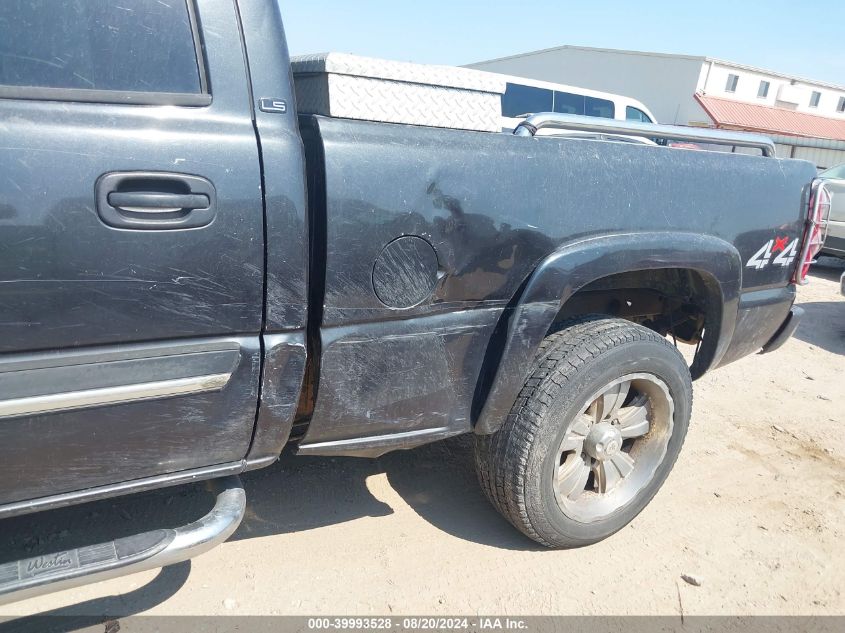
(827, 267)
(437, 481)
(105, 610)
(823, 325)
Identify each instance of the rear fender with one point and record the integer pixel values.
(530, 316)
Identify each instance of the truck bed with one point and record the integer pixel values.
(494, 207)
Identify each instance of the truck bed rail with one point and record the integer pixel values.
(543, 120)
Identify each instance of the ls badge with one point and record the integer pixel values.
(277, 106)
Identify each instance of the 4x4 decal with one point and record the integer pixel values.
(778, 251)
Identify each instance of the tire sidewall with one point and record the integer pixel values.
(640, 356)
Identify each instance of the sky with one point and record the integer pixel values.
(793, 37)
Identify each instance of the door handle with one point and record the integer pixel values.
(155, 200)
(149, 202)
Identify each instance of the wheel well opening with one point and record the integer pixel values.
(675, 302)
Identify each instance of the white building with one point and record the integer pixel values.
(805, 118)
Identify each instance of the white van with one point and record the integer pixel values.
(528, 96)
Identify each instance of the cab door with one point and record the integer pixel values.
(131, 244)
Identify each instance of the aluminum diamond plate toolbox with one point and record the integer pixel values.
(352, 87)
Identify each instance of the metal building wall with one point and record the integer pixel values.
(822, 158)
(823, 153)
(664, 83)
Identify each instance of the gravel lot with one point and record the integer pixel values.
(754, 509)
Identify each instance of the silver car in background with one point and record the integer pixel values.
(835, 183)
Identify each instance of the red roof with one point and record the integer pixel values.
(759, 118)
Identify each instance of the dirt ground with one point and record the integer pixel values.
(754, 508)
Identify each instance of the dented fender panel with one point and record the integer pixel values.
(498, 209)
(574, 266)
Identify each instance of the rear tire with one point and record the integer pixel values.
(592, 435)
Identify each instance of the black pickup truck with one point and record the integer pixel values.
(194, 276)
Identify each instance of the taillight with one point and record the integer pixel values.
(815, 230)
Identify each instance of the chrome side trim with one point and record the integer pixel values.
(65, 499)
(111, 395)
(542, 120)
(132, 554)
(377, 445)
(130, 352)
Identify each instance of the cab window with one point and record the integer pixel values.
(571, 103)
(105, 45)
(520, 100)
(568, 103)
(603, 108)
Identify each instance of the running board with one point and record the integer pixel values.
(149, 550)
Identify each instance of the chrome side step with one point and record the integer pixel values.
(158, 548)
